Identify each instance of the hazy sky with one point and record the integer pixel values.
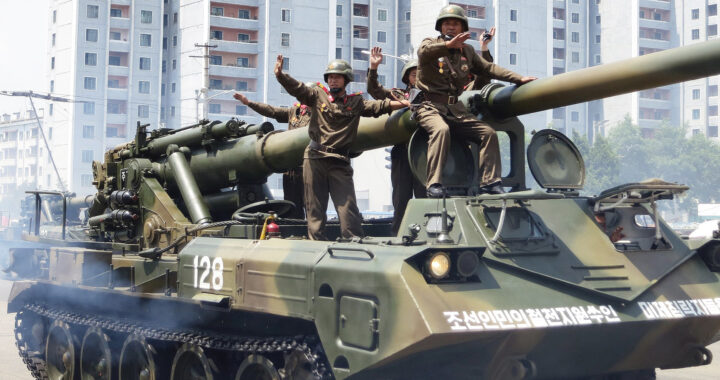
(23, 43)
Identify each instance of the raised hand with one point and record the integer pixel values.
(490, 34)
(242, 98)
(376, 57)
(458, 41)
(279, 65)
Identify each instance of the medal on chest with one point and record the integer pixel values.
(441, 63)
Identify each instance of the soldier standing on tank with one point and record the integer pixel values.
(444, 63)
(335, 116)
(297, 116)
(404, 183)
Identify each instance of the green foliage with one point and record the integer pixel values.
(602, 165)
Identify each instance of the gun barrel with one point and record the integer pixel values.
(634, 74)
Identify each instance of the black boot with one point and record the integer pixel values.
(493, 188)
(435, 190)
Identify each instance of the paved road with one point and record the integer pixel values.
(12, 367)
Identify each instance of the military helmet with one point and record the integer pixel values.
(451, 11)
(405, 74)
(339, 66)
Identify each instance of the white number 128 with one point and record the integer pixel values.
(203, 262)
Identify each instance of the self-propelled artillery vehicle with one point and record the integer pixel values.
(188, 270)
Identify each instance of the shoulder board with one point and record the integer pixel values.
(355, 93)
(323, 87)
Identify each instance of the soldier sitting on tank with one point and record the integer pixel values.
(444, 63)
(477, 82)
(297, 116)
(404, 183)
(333, 126)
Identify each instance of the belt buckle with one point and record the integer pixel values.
(452, 99)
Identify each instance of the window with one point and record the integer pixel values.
(217, 11)
(285, 39)
(53, 39)
(144, 87)
(89, 108)
(172, 87)
(146, 17)
(575, 1)
(114, 60)
(216, 34)
(712, 131)
(559, 113)
(89, 83)
(558, 34)
(243, 37)
(162, 89)
(144, 63)
(214, 108)
(597, 19)
(712, 30)
(712, 90)
(381, 36)
(172, 111)
(216, 60)
(696, 34)
(696, 114)
(696, 94)
(244, 14)
(52, 62)
(338, 33)
(574, 116)
(712, 110)
(575, 57)
(695, 13)
(52, 86)
(88, 132)
(597, 38)
(358, 54)
(54, 16)
(382, 14)
(559, 53)
(240, 110)
(115, 12)
(407, 38)
(338, 10)
(285, 15)
(174, 64)
(241, 85)
(164, 43)
(144, 111)
(407, 16)
(513, 37)
(92, 11)
(91, 35)
(286, 63)
(597, 59)
(174, 40)
(712, 10)
(513, 15)
(558, 70)
(86, 180)
(115, 36)
(575, 18)
(175, 18)
(165, 19)
(243, 62)
(51, 112)
(164, 65)
(338, 53)
(513, 59)
(90, 59)
(575, 36)
(145, 40)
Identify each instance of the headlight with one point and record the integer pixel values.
(467, 263)
(438, 265)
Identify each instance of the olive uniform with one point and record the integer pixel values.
(442, 75)
(297, 116)
(480, 81)
(404, 183)
(326, 166)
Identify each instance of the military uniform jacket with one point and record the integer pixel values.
(446, 71)
(480, 81)
(334, 121)
(377, 91)
(297, 116)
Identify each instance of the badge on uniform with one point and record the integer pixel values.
(323, 107)
(441, 62)
(464, 67)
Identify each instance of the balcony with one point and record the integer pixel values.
(659, 4)
(233, 71)
(236, 47)
(245, 3)
(118, 70)
(653, 24)
(119, 23)
(477, 23)
(362, 43)
(654, 44)
(117, 93)
(234, 22)
(119, 46)
(648, 123)
(120, 2)
(654, 103)
(360, 64)
(229, 95)
(116, 118)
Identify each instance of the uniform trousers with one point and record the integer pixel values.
(439, 121)
(404, 184)
(294, 191)
(334, 177)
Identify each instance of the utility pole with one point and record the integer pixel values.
(30, 95)
(206, 80)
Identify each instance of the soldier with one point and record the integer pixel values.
(404, 183)
(478, 82)
(333, 126)
(444, 63)
(298, 116)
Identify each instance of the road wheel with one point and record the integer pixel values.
(60, 352)
(257, 367)
(95, 357)
(137, 359)
(190, 363)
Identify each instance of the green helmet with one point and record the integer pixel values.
(406, 71)
(451, 11)
(339, 66)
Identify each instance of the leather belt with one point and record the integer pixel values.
(441, 98)
(324, 148)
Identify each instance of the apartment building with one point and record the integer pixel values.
(106, 57)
